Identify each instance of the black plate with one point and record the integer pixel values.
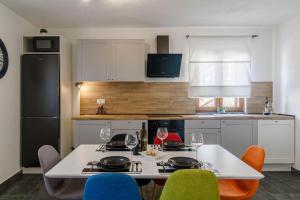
(173, 145)
(114, 162)
(183, 162)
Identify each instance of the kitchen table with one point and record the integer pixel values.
(227, 165)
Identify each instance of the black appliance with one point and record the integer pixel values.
(40, 105)
(45, 44)
(172, 126)
(164, 65)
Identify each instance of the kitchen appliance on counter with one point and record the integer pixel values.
(268, 110)
(172, 126)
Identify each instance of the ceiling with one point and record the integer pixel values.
(154, 13)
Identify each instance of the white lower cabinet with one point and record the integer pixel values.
(211, 136)
(277, 138)
(209, 128)
(127, 124)
(238, 135)
(88, 131)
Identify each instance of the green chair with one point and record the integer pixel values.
(191, 184)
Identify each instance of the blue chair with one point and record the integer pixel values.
(111, 186)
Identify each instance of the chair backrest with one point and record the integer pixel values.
(48, 158)
(254, 156)
(174, 137)
(111, 186)
(191, 184)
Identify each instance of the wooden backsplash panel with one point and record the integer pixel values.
(137, 98)
(155, 98)
(259, 92)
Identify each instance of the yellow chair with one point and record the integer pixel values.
(191, 184)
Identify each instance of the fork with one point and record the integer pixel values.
(163, 165)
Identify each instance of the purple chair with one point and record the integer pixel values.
(70, 189)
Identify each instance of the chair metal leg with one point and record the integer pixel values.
(153, 191)
(141, 191)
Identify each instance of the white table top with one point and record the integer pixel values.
(229, 166)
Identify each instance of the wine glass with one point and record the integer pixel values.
(162, 134)
(105, 136)
(197, 141)
(131, 141)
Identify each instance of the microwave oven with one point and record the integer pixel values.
(46, 44)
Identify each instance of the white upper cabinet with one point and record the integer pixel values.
(94, 60)
(277, 138)
(110, 60)
(128, 60)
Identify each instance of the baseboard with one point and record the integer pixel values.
(295, 171)
(32, 170)
(278, 167)
(9, 182)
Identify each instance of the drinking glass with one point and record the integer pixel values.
(162, 134)
(105, 136)
(131, 141)
(197, 141)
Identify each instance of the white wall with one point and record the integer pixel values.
(262, 46)
(262, 67)
(12, 28)
(287, 73)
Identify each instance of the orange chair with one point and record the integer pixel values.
(244, 189)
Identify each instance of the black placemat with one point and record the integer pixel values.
(178, 149)
(129, 169)
(117, 149)
(96, 169)
(170, 169)
(113, 149)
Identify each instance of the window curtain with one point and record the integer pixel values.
(219, 66)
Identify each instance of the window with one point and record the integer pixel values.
(219, 67)
(231, 104)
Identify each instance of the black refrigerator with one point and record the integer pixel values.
(40, 105)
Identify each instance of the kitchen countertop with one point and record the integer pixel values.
(184, 117)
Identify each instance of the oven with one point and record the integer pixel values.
(172, 126)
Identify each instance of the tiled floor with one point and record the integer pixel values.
(275, 186)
